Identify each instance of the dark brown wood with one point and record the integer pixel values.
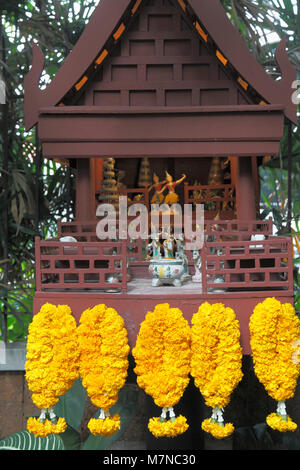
(233, 47)
(107, 15)
(85, 189)
(245, 190)
(156, 132)
(179, 54)
(290, 179)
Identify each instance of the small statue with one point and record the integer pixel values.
(171, 197)
(196, 254)
(180, 254)
(157, 198)
(169, 244)
(154, 247)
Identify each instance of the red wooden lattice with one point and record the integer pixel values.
(80, 265)
(215, 198)
(85, 231)
(251, 265)
(228, 255)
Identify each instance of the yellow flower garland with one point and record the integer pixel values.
(162, 355)
(216, 361)
(51, 364)
(104, 427)
(44, 428)
(103, 363)
(274, 336)
(216, 430)
(169, 428)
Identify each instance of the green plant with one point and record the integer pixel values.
(38, 190)
(71, 406)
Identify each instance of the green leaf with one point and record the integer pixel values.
(244, 439)
(291, 440)
(125, 407)
(263, 437)
(24, 440)
(71, 439)
(71, 405)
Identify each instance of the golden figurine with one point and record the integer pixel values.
(171, 197)
(157, 198)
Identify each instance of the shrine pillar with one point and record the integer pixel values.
(85, 189)
(245, 188)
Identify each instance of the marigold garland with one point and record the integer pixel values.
(277, 422)
(103, 362)
(216, 430)
(51, 364)
(105, 427)
(44, 428)
(216, 362)
(274, 338)
(168, 428)
(162, 355)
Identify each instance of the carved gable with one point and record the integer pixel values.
(162, 61)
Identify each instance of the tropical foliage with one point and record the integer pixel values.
(72, 406)
(56, 26)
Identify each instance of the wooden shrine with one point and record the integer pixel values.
(171, 81)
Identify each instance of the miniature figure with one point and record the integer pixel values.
(196, 254)
(154, 247)
(169, 244)
(180, 254)
(157, 198)
(171, 197)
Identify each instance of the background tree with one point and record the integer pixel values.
(33, 192)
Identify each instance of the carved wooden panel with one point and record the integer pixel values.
(162, 61)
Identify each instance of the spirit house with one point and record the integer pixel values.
(161, 100)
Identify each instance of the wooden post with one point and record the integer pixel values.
(38, 285)
(85, 196)
(290, 181)
(256, 183)
(245, 189)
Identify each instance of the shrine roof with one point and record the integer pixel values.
(106, 27)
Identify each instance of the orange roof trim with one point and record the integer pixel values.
(101, 57)
(200, 31)
(221, 58)
(135, 7)
(81, 83)
(119, 31)
(182, 4)
(243, 83)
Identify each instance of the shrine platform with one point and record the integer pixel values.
(141, 297)
(237, 270)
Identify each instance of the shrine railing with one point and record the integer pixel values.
(80, 265)
(248, 265)
(236, 256)
(85, 231)
(215, 199)
(228, 230)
